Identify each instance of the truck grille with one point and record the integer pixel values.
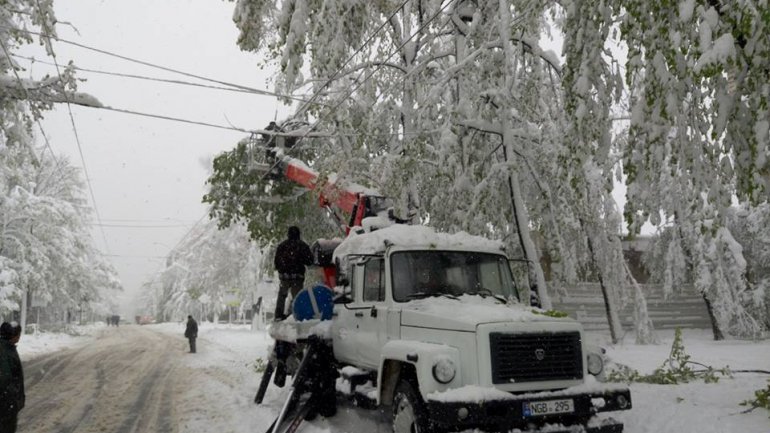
(520, 358)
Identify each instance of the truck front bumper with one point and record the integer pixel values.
(510, 413)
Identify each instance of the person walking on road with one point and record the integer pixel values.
(191, 332)
(291, 257)
(11, 377)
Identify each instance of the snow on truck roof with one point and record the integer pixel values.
(413, 236)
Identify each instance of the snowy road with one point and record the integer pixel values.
(141, 379)
(128, 380)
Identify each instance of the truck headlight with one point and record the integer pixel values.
(444, 370)
(595, 363)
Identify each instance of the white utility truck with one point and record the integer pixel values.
(431, 327)
(434, 328)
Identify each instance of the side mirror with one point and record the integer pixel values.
(534, 299)
(342, 298)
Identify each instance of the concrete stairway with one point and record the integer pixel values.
(685, 309)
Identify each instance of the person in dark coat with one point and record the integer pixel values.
(291, 257)
(11, 377)
(191, 332)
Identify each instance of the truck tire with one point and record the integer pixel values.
(409, 412)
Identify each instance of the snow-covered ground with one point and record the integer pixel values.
(228, 381)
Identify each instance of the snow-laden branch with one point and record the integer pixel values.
(491, 128)
(531, 46)
(48, 91)
(481, 125)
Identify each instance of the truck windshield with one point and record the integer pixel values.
(453, 273)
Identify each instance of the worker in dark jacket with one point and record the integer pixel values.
(11, 377)
(291, 257)
(191, 332)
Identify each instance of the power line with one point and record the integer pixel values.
(44, 24)
(136, 220)
(376, 68)
(137, 226)
(57, 167)
(169, 81)
(135, 257)
(379, 65)
(337, 72)
(174, 119)
(142, 62)
(366, 78)
(26, 93)
(58, 162)
(249, 131)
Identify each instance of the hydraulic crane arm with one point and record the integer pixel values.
(355, 201)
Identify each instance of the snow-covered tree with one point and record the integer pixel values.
(699, 134)
(394, 87)
(206, 269)
(46, 249)
(454, 108)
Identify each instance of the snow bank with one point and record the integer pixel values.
(40, 343)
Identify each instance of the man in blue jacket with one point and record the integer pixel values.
(11, 377)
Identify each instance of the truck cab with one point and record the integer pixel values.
(437, 323)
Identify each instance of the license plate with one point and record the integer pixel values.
(548, 407)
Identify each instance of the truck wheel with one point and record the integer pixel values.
(409, 413)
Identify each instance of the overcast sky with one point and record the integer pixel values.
(147, 174)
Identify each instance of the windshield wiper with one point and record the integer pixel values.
(423, 295)
(483, 292)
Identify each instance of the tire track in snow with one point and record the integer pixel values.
(46, 368)
(125, 381)
(147, 399)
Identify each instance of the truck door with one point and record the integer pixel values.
(372, 314)
(346, 324)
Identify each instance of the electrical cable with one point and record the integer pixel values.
(393, 85)
(403, 44)
(314, 96)
(169, 81)
(136, 257)
(136, 226)
(248, 131)
(366, 78)
(337, 72)
(44, 24)
(141, 62)
(59, 161)
(158, 220)
(369, 75)
(24, 89)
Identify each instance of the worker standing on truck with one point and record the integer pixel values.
(291, 257)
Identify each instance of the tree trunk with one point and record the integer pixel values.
(519, 208)
(714, 325)
(645, 330)
(609, 306)
(24, 304)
